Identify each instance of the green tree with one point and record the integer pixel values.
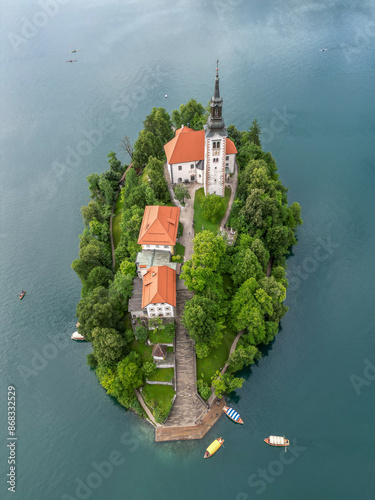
(99, 276)
(130, 371)
(158, 122)
(243, 356)
(100, 309)
(154, 172)
(109, 346)
(181, 192)
(93, 181)
(202, 350)
(224, 384)
(245, 265)
(145, 146)
(141, 333)
(149, 368)
(90, 212)
(213, 207)
(91, 360)
(203, 389)
(128, 268)
(235, 136)
(192, 115)
(250, 306)
(170, 330)
(122, 285)
(203, 271)
(201, 317)
(255, 132)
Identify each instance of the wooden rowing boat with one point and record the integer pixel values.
(214, 446)
(232, 414)
(22, 294)
(277, 441)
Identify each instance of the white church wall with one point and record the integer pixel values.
(183, 172)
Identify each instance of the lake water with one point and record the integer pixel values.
(316, 382)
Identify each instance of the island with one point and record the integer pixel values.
(183, 266)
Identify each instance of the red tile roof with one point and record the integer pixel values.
(159, 226)
(188, 145)
(159, 286)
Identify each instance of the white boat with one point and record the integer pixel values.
(77, 336)
(277, 441)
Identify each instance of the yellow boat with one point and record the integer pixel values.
(212, 449)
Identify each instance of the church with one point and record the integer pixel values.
(204, 156)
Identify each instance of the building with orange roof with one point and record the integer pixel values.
(159, 228)
(158, 296)
(204, 156)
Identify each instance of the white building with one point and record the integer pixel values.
(203, 156)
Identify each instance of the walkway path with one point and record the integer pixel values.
(233, 184)
(198, 431)
(187, 408)
(186, 218)
(186, 214)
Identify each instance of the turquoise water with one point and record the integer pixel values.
(59, 121)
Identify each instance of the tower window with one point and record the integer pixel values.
(227, 157)
(180, 167)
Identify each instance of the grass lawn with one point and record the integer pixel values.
(217, 357)
(179, 250)
(199, 219)
(117, 214)
(158, 396)
(144, 350)
(160, 337)
(170, 349)
(163, 375)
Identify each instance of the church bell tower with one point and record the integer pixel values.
(215, 145)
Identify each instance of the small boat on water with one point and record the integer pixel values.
(277, 441)
(77, 336)
(22, 294)
(232, 414)
(212, 449)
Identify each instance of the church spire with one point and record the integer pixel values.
(217, 91)
(215, 120)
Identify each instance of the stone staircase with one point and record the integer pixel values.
(188, 408)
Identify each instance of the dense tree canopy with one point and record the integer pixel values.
(192, 115)
(109, 346)
(213, 207)
(202, 319)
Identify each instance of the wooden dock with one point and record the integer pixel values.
(192, 431)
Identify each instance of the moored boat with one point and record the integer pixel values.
(22, 294)
(232, 414)
(77, 336)
(277, 441)
(212, 449)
